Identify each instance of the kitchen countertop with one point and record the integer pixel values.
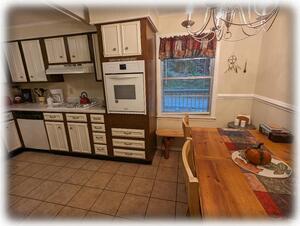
(45, 108)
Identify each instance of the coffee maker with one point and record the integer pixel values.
(26, 95)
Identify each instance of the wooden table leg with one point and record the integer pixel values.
(167, 144)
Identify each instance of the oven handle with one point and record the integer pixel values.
(123, 76)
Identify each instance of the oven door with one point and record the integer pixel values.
(125, 93)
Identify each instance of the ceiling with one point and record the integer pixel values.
(25, 16)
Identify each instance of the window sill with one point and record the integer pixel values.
(191, 116)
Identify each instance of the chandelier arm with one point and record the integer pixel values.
(273, 21)
(203, 27)
(253, 23)
(237, 40)
(206, 40)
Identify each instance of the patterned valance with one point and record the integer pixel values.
(186, 47)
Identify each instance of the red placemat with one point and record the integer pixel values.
(274, 194)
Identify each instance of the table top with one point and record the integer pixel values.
(223, 190)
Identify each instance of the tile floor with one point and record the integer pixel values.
(48, 186)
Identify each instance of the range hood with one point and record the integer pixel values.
(86, 68)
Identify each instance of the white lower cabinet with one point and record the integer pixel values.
(79, 136)
(57, 136)
(12, 141)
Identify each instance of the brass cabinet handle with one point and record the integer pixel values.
(114, 49)
(52, 116)
(73, 56)
(126, 48)
(126, 132)
(60, 56)
(127, 143)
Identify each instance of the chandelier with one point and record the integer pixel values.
(223, 21)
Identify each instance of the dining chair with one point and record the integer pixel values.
(186, 126)
(191, 181)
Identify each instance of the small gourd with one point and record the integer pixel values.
(257, 155)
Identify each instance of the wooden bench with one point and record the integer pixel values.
(167, 136)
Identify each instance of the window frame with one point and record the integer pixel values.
(205, 115)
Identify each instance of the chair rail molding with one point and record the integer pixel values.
(263, 99)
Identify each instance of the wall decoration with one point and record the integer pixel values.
(232, 64)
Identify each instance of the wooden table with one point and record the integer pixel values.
(223, 190)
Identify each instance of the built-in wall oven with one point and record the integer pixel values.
(125, 87)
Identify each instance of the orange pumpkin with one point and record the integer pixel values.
(258, 156)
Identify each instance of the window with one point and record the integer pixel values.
(187, 85)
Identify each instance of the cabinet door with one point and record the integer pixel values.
(56, 51)
(34, 60)
(12, 140)
(57, 136)
(131, 38)
(79, 136)
(79, 48)
(97, 57)
(15, 63)
(111, 40)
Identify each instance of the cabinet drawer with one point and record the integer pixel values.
(120, 132)
(129, 153)
(97, 118)
(99, 138)
(76, 117)
(100, 149)
(98, 127)
(129, 143)
(53, 116)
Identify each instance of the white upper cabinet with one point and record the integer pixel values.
(111, 39)
(121, 39)
(97, 56)
(15, 63)
(34, 60)
(56, 51)
(79, 48)
(131, 38)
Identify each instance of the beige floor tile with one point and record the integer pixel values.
(81, 177)
(23, 207)
(14, 180)
(147, 171)
(119, 183)
(45, 210)
(46, 172)
(166, 174)
(133, 206)
(180, 177)
(71, 213)
(60, 160)
(12, 199)
(99, 180)
(164, 190)
(25, 187)
(128, 169)
(110, 167)
(16, 166)
(98, 216)
(141, 186)
(85, 198)
(93, 164)
(156, 158)
(172, 161)
(76, 162)
(25, 156)
(31, 169)
(158, 208)
(108, 202)
(44, 190)
(64, 194)
(181, 193)
(181, 210)
(62, 174)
